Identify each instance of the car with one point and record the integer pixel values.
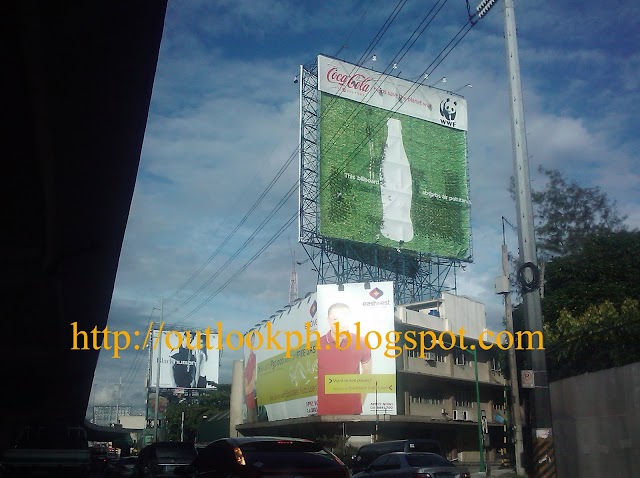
(412, 465)
(161, 459)
(371, 451)
(125, 467)
(251, 457)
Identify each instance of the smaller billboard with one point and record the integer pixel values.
(279, 382)
(163, 404)
(355, 377)
(184, 360)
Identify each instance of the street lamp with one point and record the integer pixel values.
(468, 85)
(474, 353)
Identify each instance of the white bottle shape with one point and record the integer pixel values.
(395, 186)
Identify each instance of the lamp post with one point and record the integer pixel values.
(376, 435)
(474, 352)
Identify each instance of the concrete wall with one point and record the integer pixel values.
(596, 423)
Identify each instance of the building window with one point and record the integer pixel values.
(427, 398)
(434, 355)
(495, 365)
(461, 358)
(465, 400)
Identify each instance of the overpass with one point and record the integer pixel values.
(77, 86)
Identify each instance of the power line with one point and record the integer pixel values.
(336, 172)
(372, 44)
(381, 32)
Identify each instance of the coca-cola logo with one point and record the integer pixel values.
(357, 81)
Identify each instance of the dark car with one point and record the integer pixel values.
(412, 465)
(162, 459)
(125, 467)
(249, 457)
(99, 459)
(370, 452)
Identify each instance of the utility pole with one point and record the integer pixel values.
(182, 428)
(543, 458)
(502, 287)
(376, 440)
(157, 404)
(118, 402)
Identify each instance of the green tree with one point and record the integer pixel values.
(207, 404)
(566, 214)
(604, 336)
(604, 269)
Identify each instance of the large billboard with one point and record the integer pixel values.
(354, 375)
(393, 162)
(184, 359)
(326, 375)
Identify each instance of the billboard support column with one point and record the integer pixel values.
(157, 404)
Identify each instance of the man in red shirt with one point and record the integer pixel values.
(354, 358)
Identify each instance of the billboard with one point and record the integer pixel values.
(355, 377)
(324, 376)
(277, 386)
(184, 360)
(392, 162)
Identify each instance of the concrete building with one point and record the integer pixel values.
(436, 394)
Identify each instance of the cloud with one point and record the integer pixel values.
(224, 119)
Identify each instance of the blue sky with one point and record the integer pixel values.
(224, 119)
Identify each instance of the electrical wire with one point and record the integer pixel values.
(290, 221)
(327, 181)
(293, 155)
(390, 19)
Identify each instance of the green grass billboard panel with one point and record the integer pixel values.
(393, 162)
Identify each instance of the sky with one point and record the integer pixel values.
(224, 119)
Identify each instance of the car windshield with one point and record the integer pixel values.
(427, 461)
(178, 451)
(424, 447)
(287, 454)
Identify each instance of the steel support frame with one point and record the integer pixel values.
(417, 277)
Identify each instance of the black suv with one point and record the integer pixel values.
(163, 458)
(265, 456)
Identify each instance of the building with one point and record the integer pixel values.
(107, 415)
(435, 394)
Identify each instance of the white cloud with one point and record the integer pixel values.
(224, 119)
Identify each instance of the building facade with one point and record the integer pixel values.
(437, 394)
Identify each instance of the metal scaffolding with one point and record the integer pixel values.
(416, 276)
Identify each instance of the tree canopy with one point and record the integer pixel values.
(591, 292)
(207, 404)
(604, 269)
(567, 213)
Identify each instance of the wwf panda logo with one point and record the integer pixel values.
(448, 109)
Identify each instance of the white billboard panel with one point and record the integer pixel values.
(390, 93)
(186, 359)
(285, 387)
(305, 371)
(356, 374)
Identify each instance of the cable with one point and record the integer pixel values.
(135, 365)
(372, 44)
(381, 32)
(290, 221)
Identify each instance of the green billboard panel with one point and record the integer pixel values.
(393, 163)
